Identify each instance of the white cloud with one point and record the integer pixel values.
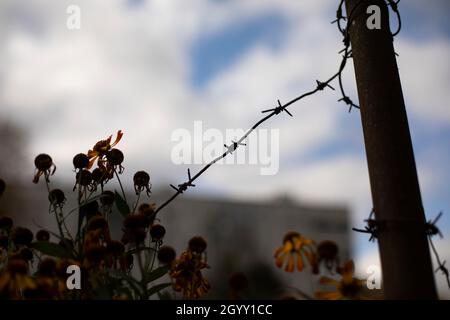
(129, 69)
(424, 69)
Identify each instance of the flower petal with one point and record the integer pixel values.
(328, 295)
(311, 256)
(92, 153)
(290, 264)
(288, 246)
(91, 162)
(328, 281)
(280, 260)
(118, 137)
(278, 251)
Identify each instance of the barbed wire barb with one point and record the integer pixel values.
(278, 109)
(431, 230)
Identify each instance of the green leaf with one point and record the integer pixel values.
(156, 274)
(102, 293)
(121, 204)
(134, 284)
(51, 249)
(158, 288)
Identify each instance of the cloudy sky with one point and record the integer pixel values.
(151, 67)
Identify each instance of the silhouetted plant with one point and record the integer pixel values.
(35, 266)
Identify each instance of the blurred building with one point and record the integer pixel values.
(243, 235)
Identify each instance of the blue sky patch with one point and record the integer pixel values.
(215, 52)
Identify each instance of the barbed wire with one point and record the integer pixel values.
(374, 226)
(432, 230)
(371, 227)
(320, 86)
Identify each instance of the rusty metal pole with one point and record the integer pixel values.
(403, 247)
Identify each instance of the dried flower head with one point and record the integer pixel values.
(148, 210)
(26, 254)
(134, 227)
(42, 235)
(80, 161)
(21, 236)
(135, 221)
(197, 244)
(100, 175)
(97, 222)
(57, 197)
(101, 148)
(187, 275)
(115, 248)
(6, 223)
(15, 279)
(95, 253)
(115, 158)
(157, 232)
(166, 254)
(141, 181)
(44, 166)
(84, 180)
(348, 287)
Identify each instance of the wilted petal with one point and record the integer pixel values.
(280, 260)
(290, 264)
(118, 137)
(325, 295)
(328, 281)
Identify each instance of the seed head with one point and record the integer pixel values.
(42, 235)
(43, 162)
(197, 244)
(115, 157)
(57, 197)
(166, 254)
(6, 223)
(22, 236)
(157, 232)
(80, 161)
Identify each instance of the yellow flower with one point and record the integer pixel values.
(294, 247)
(348, 287)
(15, 280)
(102, 147)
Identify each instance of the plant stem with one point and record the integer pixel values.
(137, 202)
(120, 184)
